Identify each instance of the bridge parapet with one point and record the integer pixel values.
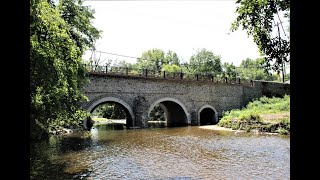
(151, 73)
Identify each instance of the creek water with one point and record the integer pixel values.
(113, 152)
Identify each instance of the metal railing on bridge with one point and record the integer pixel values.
(151, 73)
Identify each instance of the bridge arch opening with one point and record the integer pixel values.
(208, 115)
(120, 110)
(174, 112)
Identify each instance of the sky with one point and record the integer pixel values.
(133, 27)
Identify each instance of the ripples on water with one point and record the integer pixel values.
(163, 153)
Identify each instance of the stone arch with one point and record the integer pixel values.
(126, 107)
(208, 107)
(170, 104)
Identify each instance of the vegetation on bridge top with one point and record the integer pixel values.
(180, 75)
(204, 65)
(248, 71)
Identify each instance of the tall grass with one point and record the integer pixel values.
(249, 117)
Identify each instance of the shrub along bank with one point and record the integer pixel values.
(264, 114)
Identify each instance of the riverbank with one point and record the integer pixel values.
(271, 118)
(219, 128)
(265, 123)
(265, 115)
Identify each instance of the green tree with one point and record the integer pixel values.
(205, 61)
(59, 34)
(103, 110)
(78, 19)
(172, 58)
(156, 58)
(230, 70)
(110, 110)
(287, 77)
(157, 114)
(171, 68)
(253, 69)
(152, 59)
(258, 18)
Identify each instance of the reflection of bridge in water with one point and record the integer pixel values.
(197, 101)
(120, 124)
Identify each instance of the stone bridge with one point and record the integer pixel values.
(184, 102)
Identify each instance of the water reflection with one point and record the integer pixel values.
(164, 153)
(113, 126)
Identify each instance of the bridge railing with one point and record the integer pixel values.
(166, 75)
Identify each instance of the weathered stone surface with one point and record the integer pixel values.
(139, 95)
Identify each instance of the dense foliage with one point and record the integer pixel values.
(171, 68)
(201, 62)
(252, 69)
(59, 34)
(250, 117)
(205, 61)
(110, 111)
(157, 114)
(229, 70)
(260, 18)
(155, 59)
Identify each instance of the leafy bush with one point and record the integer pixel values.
(249, 118)
(225, 122)
(235, 113)
(282, 131)
(285, 123)
(270, 105)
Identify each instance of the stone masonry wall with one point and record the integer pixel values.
(192, 94)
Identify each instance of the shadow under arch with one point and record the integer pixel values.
(126, 107)
(176, 113)
(207, 115)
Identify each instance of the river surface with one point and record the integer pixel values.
(161, 153)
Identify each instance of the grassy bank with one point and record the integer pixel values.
(264, 114)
